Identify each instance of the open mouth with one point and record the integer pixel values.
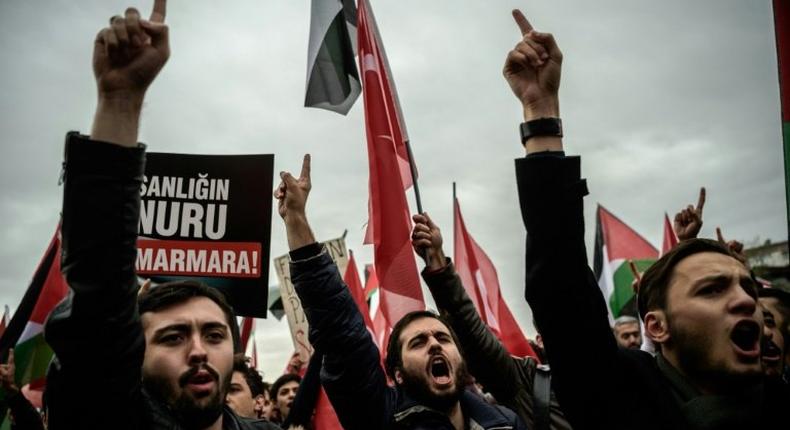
(746, 338)
(201, 381)
(440, 371)
(771, 352)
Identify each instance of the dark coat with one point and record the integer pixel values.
(351, 374)
(509, 379)
(598, 384)
(96, 331)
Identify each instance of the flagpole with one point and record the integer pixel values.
(413, 171)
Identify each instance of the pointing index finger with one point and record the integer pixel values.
(306, 167)
(159, 12)
(720, 237)
(523, 23)
(701, 201)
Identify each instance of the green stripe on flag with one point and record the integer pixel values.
(623, 278)
(32, 359)
(6, 422)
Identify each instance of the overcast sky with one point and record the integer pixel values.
(658, 97)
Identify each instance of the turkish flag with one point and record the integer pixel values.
(481, 283)
(389, 226)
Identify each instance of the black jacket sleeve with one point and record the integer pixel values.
(487, 358)
(351, 374)
(25, 416)
(301, 413)
(564, 296)
(96, 331)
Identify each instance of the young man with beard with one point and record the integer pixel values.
(423, 358)
(515, 382)
(698, 302)
(162, 362)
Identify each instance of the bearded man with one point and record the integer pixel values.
(423, 357)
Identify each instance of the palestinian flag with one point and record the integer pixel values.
(332, 77)
(371, 282)
(782, 25)
(615, 244)
(25, 331)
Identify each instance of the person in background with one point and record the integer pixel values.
(626, 331)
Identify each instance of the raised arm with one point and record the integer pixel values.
(101, 203)
(569, 309)
(488, 360)
(351, 371)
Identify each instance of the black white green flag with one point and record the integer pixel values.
(332, 77)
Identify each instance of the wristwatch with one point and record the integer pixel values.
(540, 127)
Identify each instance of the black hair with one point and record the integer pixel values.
(394, 359)
(656, 279)
(251, 376)
(282, 380)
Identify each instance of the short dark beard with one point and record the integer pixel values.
(185, 408)
(694, 359)
(417, 388)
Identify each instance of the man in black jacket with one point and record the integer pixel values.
(516, 382)
(423, 356)
(698, 302)
(166, 361)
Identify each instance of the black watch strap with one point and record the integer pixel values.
(540, 127)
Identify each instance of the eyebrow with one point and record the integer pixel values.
(418, 336)
(744, 280)
(186, 328)
(713, 278)
(178, 327)
(424, 334)
(214, 325)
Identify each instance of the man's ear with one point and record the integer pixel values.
(398, 377)
(656, 326)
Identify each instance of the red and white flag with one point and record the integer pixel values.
(381, 327)
(389, 225)
(481, 282)
(351, 278)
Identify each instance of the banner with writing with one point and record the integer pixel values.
(208, 218)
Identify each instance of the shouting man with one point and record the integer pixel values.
(423, 358)
(162, 362)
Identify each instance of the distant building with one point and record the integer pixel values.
(771, 261)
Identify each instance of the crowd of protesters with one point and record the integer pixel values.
(706, 351)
